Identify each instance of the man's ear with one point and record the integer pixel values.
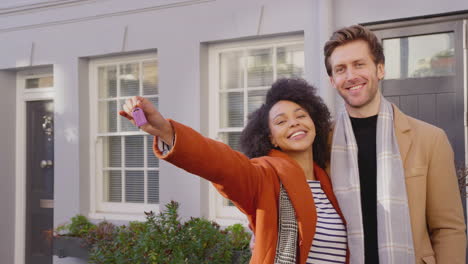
(332, 81)
(380, 71)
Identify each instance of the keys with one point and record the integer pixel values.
(139, 116)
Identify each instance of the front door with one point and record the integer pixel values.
(39, 181)
(424, 76)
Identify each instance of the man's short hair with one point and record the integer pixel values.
(349, 34)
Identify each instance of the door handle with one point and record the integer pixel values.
(46, 164)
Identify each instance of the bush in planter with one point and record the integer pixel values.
(163, 238)
(204, 242)
(78, 227)
(240, 240)
(69, 239)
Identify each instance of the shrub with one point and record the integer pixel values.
(240, 240)
(162, 238)
(79, 226)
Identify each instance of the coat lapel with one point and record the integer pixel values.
(402, 132)
(293, 179)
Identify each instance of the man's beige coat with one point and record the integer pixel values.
(434, 200)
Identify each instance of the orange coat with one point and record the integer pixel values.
(253, 186)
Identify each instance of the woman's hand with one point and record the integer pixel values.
(157, 125)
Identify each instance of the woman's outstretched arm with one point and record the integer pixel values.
(233, 174)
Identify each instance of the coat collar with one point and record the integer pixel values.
(293, 179)
(402, 132)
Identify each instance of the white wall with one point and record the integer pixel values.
(7, 163)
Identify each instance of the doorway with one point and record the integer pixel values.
(425, 75)
(39, 181)
(34, 165)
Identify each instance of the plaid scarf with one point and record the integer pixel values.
(395, 241)
(286, 247)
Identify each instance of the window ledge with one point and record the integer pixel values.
(118, 216)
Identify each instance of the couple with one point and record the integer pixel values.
(392, 195)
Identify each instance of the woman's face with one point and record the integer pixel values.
(291, 127)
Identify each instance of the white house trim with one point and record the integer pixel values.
(107, 210)
(35, 5)
(102, 16)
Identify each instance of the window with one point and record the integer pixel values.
(39, 82)
(125, 168)
(240, 75)
(431, 55)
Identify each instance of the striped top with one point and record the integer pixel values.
(329, 244)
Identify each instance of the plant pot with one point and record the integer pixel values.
(66, 246)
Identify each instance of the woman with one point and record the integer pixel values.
(283, 189)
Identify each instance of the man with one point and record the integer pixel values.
(393, 175)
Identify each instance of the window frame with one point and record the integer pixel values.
(227, 215)
(99, 209)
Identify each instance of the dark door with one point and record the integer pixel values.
(424, 76)
(39, 182)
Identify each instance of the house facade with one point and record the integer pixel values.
(67, 66)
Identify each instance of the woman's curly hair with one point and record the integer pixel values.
(255, 138)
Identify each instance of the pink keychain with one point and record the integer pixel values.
(139, 116)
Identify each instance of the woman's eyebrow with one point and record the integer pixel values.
(280, 114)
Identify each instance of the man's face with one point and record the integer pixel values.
(355, 76)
